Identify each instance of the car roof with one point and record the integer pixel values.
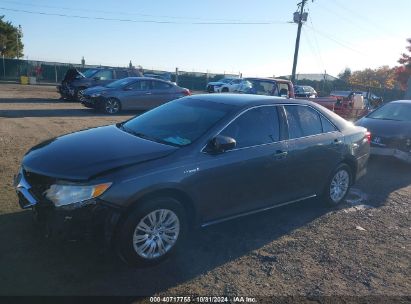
(246, 100)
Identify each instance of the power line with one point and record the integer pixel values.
(316, 44)
(142, 21)
(122, 12)
(343, 44)
(312, 49)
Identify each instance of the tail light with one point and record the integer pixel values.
(186, 92)
(368, 136)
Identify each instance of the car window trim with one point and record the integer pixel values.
(238, 115)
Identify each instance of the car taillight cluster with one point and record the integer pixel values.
(368, 136)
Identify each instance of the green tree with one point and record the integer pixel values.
(345, 75)
(10, 39)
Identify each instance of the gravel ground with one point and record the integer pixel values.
(359, 249)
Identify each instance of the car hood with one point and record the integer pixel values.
(387, 128)
(86, 154)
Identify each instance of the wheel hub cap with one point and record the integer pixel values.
(156, 234)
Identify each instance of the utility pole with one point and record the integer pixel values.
(300, 18)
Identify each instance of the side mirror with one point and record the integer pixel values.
(221, 144)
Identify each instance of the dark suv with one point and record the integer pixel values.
(75, 82)
(192, 162)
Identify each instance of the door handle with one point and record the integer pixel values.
(337, 141)
(279, 154)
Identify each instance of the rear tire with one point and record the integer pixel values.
(152, 232)
(338, 185)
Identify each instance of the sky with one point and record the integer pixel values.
(255, 38)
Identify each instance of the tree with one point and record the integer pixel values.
(382, 77)
(10, 39)
(403, 72)
(345, 75)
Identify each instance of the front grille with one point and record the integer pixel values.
(39, 183)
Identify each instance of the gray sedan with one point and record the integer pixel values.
(132, 93)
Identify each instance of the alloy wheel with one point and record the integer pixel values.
(112, 106)
(156, 234)
(80, 95)
(339, 185)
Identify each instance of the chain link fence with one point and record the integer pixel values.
(53, 72)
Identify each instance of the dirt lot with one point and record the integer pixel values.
(305, 249)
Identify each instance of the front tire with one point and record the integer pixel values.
(152, 232)
(80, 95)
(224, 90)
(111, 106)
(338, 185)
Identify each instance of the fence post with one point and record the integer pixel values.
(55, 72)
(177, 76)
(4, 68)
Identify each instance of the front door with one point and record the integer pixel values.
(251, 176)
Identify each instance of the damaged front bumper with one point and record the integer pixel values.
(91, 218)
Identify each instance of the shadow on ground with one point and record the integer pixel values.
(31, 264)
(31, 100)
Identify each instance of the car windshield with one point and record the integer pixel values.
(393, 111)
(89, 73)
(177, 123)
(225, 80)
(120, 83)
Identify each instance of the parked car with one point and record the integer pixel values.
(213, 86)
(192, 162)
(266, 86)
(132, 93)
(230, 86)
(390, 126)
(305, 91)
(75, 82)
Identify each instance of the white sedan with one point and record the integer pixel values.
(230, 86)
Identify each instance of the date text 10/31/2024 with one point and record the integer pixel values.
(200, 299)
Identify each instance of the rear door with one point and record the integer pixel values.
(162, 92)
(137, 96)
(315, 147)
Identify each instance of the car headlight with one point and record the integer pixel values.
(62, 195)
